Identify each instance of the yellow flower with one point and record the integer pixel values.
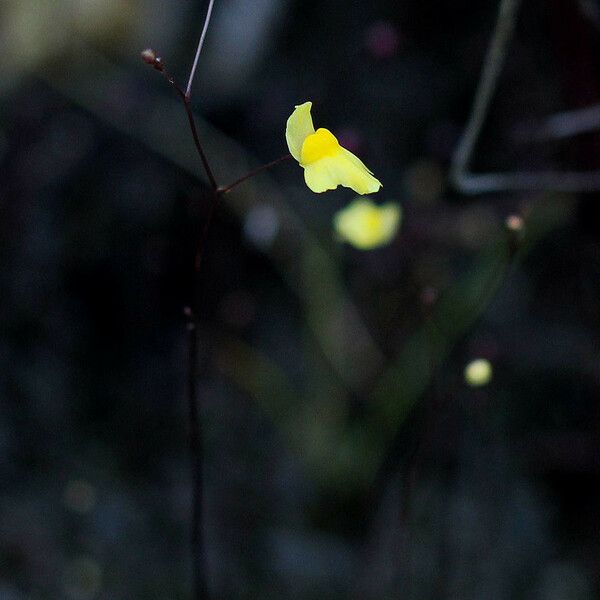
(366, 225)
(478, 372)
(326, 164)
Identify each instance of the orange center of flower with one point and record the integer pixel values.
(318, 145)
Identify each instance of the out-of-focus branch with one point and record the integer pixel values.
(560, 125)
(478, 183)
(518, 181)
(493, 64)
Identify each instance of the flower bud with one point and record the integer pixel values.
(149, 56)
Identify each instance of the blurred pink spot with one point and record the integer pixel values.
(382, 40)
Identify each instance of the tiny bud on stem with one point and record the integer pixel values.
(150, 58)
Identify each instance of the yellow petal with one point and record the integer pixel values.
(342, 168)
(299, 127)
(367, 226)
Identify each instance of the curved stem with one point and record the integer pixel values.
(493, 63)
(228, 188)
(205, 164)
(159, 66)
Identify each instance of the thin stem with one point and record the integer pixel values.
(202, 242)
(159, 66)
(205, 164)
(228, 188)
(200, 589)
(218, 194)
(200, 586)
(196, 452)
(188, 90)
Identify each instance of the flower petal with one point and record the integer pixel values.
(299, 127)
(366, 225)
(342, 169)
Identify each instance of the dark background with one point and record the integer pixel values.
(345, 455)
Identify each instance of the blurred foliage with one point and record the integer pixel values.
(346, 456)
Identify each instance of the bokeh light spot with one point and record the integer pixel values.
(478, 372)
